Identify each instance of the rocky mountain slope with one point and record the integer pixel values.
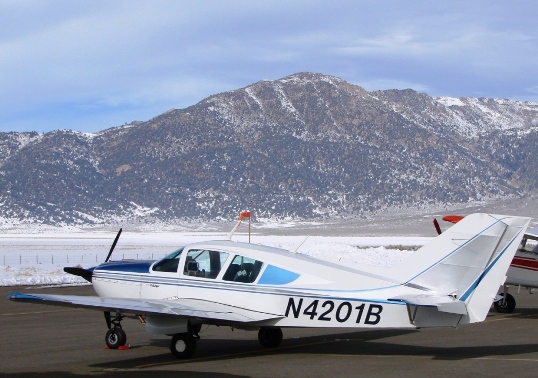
(306, 146)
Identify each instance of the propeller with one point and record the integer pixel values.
(88, 273)
(113, 245)
(437, 227)
(448, 218)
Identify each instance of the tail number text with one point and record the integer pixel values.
(329, 311)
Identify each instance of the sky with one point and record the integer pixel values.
(92, 65)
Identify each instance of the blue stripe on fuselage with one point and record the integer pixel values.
(137, 266)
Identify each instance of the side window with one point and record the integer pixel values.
(243, 269)
(168, 263)
(204, 263)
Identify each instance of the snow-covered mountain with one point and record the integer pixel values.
(307, 145)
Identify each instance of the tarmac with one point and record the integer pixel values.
(49, 341)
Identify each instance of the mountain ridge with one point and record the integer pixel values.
(304, 146)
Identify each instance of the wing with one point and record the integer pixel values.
(185, 307)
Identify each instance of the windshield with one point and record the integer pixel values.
(168, 263)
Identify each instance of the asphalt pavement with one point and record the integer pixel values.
(49, 341)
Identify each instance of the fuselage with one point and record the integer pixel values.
(523, 270)
(298, 290)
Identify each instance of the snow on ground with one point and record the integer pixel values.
(39, 258)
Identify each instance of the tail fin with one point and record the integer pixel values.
(461, 270)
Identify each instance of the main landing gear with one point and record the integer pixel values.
(182, 345)
(270, 337)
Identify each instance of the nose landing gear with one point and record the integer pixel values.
(115, 336)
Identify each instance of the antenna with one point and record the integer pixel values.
(300, 244)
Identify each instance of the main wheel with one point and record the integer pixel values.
(115, 337)
(505, 305)
(183, 345)
(270, 337)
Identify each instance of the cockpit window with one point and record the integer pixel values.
(204, 263)
(168, 263)
(243, 269)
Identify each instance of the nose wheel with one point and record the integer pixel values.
(115, 338)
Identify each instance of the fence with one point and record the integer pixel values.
(31, 259)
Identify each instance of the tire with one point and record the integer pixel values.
(270, 337)
(115, 337)
(183, 345)
(505, 306)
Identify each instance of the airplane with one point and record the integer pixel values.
(523, 270)
(450, 281)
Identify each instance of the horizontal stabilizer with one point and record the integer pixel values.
(443, 303)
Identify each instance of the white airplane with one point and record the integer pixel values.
(449, 282)
(523, 270)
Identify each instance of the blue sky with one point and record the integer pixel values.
(91, 65)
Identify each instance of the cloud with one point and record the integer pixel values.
(130, 58)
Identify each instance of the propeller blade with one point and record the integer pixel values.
(437, 227)
(113, 245)
(81, 272)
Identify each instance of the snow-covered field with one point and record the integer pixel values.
(39, 258)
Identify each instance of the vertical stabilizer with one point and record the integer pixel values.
(461, 270)
(480, 294)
